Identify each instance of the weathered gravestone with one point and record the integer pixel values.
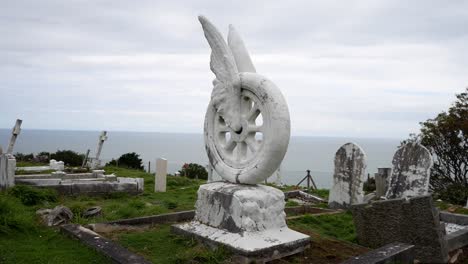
(348, 178)
(161, 175)
(14, 134)
(414, 221)
(411, 171)
(381, 179)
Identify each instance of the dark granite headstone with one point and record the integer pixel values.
(414, 221)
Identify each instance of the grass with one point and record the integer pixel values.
(24, 240)
(181, 195)
(457, 209)
(339, 226)
(30, 164)
(159, 245)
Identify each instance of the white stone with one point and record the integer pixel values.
(411, 172)
(239, 208)
(349, 176)
(161, 175)
(247, 124)
(7, 171)
(56, 165)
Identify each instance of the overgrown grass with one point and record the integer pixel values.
(451, 207)
(323, 193)
(23, 240)
(159, 245)
(181, 195)
(339, 226)
(30, 164)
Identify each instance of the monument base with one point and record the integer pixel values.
(249, 220)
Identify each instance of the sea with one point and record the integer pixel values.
(304, 153)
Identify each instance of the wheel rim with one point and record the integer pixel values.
(239, 149)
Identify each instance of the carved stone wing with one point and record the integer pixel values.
(239, 51)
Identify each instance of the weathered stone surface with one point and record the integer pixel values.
(14, 134)
(414, 221)
(92, 211)
(244, 106)
(411, 172)
(7, 171)
(381, 181)
(392, 253)
(161, 175)
(56, 165)
(115, 252)
(349, 176)
(238, 208)
(58, 216)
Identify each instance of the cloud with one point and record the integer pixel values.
(355, 68)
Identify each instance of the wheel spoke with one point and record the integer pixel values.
(254, 128)
(230, 146)
(251, 143)
(223, 129)
(253, 113)
(241, 150)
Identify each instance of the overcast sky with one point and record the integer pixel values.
(346, 68)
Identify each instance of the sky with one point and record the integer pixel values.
(346, 68)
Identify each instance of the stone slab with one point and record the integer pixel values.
(412, 164)
(392, 253)
(413, 221)
(115, 252)
(348, 177)
(249, 247)
(161, 175)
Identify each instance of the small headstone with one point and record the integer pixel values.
(56, 165)
(349, 176)
(7, 171)
(411, 172)
(161, 175)
(381, 178)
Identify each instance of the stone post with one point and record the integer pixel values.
(161, 175)
(102, 138)
(7, 170)
(381, 177)
(14, 135)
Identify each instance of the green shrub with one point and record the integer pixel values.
(14, 216)
(127, 160)
(69, 157)
(29, 195)
(369, 185)
(194, 171)
(454, 193)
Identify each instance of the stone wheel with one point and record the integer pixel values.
(253, 153)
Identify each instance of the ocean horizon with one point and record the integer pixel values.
(315, 153)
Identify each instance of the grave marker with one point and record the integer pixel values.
(161, 175)
(14, 134)
(381, 178)
(411, 172)
(349, 176)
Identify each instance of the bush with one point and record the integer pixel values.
(194, 171)
(69, 157)
(128, 160)
(369, 185)
(29, 195)
(24, 157)
(452, 193)
(14, 216)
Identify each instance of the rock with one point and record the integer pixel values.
(58, 216)
(92, 212)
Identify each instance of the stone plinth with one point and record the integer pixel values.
(7, 170)
(247, 219)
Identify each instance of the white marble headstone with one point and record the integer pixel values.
(349, 176)
(412, 165)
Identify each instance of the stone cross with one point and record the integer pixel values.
(102, 138)
(14, 134)
(349, 176)
(161, 175)
(412, 164)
